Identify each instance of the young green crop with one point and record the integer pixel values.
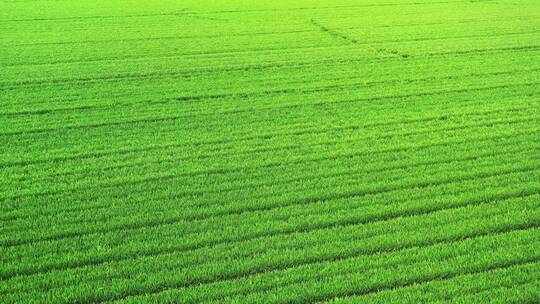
(269, 152)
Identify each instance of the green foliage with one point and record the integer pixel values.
(269, 151)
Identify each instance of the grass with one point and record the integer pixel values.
(282, 152)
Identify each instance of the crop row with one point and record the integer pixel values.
(415, 231)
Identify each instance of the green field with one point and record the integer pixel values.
(233, 151)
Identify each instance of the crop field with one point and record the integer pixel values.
(235, 151)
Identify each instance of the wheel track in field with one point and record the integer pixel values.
(265, 150)
(143, 163)
(216, 297)
(440, 144)
(359, 253)
(213, 142)
(252, 34)
(336, 256)
(80, 208)
(316, 200)
(292, 209)
(332, 32)
(256, 51)
(285, 90)
(252, 95)
(36, 83)
(381, 287)
(302, 128)
(475, 291)
(370, 213)
(440, 277)
(166, 251)
(172, 286)
(270, 164)
(399, 99)
(174, 220)
(205, 70)
(182, 11)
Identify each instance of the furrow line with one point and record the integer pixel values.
(289, 106)
(304, 161)
(241, 34)
(182, 11)
(96, 230)
(269, 50)
(18, 84)
(166, 251)
(275, 149)
(381, 251)
(316, 89)
(314, 261)
(441, 277)
(144, 163)
(286, 181)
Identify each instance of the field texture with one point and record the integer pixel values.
(234, 151)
